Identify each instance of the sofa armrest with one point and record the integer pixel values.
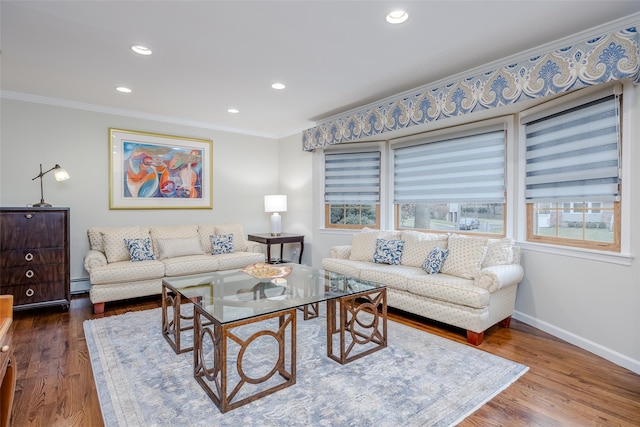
(94, 259)
(499, 276)
(341, 252)
(254, 247)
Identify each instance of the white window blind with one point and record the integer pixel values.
(574, 155)
(352, 178)
(465, 169)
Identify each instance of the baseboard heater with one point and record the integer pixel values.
(80, 286)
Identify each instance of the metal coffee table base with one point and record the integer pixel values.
(360, 325)
(172, 327)
(211, 370)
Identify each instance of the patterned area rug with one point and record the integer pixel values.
(418, 380)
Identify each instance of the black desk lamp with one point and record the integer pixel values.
(60, 175)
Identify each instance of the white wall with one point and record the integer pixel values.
(245, 168)
(295, 180)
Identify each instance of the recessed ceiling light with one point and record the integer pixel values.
(397, 17)
(142, 50)
(233, 110)
(278, 86)
(123, 89)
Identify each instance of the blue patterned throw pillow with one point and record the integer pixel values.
(388, 251)
(435, 259)
(221, 244)
(140, 249)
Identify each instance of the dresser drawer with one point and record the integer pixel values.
(31, 294)
(29, 257)
(32, 229)
(31, 275)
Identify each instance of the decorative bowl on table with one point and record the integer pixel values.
(267, 272)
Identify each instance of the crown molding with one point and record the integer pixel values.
(65, 103)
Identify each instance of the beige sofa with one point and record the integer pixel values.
(474, 289)
(176, 250)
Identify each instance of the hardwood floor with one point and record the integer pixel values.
(565, 386)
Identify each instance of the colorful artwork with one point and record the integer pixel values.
(152, 171)
(157, 171)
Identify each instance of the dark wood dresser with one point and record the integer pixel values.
(34, 256)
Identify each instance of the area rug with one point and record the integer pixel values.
(419, 380)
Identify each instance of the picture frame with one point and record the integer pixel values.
(157, 171)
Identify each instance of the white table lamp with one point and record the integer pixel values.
(275, 203)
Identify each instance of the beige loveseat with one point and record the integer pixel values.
(474, 289)
(176, 250)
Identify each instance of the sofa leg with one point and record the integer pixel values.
(475, 338)
(98, 308)
(504, 323)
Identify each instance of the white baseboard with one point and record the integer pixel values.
(595, 348)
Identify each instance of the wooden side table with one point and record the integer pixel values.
(268, 239)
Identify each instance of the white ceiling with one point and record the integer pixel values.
(212, 55)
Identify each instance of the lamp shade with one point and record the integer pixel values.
(60, 174)
(275, 203)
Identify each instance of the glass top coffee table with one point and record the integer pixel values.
(236, 317)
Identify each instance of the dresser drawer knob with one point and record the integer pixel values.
(28, 216)
(5, 348)
(29, 292)
(29, 274)
(29, 256)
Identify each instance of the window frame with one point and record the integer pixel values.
(560, 104)
(507, 122)
(328, 224)
(347, 149)
(614, 246)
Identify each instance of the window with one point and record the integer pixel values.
(454, 183)
(352, 189)
(572, 175)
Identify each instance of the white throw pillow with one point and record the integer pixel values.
(239, 240)
(171, 248)
(465, 256)
(171, 232)
(499, 252)
(205, 231)
(363, 244)
(418, 245)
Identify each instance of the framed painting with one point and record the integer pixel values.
(154, 171)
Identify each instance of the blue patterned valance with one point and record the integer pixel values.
(600, 59)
